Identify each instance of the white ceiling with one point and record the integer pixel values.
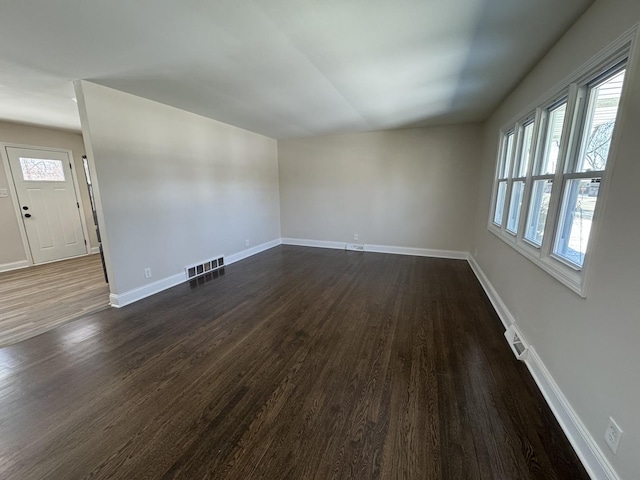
(283, 68)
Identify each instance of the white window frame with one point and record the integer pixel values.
(572, 91)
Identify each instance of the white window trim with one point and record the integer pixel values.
(576, 279)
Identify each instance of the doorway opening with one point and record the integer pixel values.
(64, 276)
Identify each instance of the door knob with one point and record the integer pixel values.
(27, 215)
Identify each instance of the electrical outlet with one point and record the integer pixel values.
(612, 435)
(475, 253)
(355, 236)
(246, 242)
(147, 273)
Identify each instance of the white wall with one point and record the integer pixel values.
(11, 247)
(404, 188)
(175, 188)
(590, 346)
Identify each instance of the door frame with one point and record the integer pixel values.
(16, 203)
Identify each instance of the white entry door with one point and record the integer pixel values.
(48, 203)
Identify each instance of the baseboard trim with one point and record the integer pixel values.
(302, 242)
(127, 298)
(236, 257)
(123, 299)
(416, 252)
(501, 309)
(592, 457)
(5, 267)
(94, 250)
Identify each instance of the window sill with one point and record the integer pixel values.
(570, 278)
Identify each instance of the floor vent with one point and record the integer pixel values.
(203, 268)
(516, 342)
(354, 247)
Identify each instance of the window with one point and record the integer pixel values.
(551, 165)
(41, 170)
(581, 182)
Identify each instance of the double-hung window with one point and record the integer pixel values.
(551, 165)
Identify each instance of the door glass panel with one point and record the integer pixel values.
(603, 109)
(537, 217)
(580, 197)
(41, 170)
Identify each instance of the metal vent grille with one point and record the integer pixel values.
(518, 345)
(199, 269)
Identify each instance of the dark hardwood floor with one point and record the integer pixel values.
(296, 363)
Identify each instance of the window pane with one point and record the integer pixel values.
(41, 170)
(575, 219)
(506, 158)
(523, 161)
(601, 118)
(517, 193)
(500, 197)
(553, 137)
(537, 217)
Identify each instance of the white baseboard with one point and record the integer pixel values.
(592, 457)
(417, 252)
(499, 306)
(236, 257)
(126, 298)
(94, 250)
(302, 242)
(122, 299)
(5, 267)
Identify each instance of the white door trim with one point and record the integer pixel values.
(16, 202)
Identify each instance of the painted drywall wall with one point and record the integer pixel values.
(404, 188)
(11, 247)
(590, 346)
(174, 188)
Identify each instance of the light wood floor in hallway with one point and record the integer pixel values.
(37, 299)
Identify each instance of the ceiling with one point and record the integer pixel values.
(282, 68)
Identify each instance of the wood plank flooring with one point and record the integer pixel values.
(37, 299)
(297, 363)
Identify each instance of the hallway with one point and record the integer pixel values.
(37, 299)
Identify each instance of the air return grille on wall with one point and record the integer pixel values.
(203, 268)
(517, 343)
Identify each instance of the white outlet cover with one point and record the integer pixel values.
(4, 193)
(612, 435)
